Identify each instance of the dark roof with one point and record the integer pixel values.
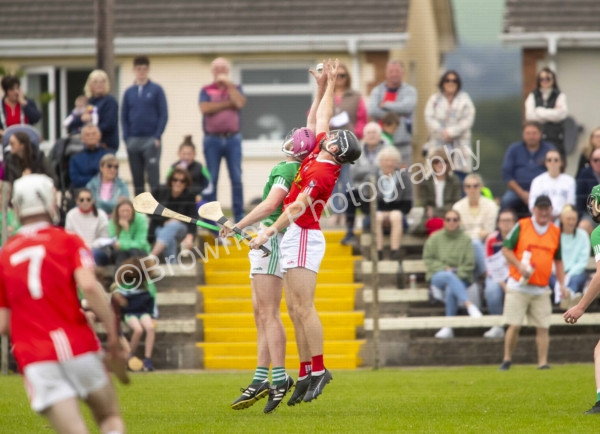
(524, 16)
(134, 18)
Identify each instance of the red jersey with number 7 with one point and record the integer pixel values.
(317, 179)
(37, 284)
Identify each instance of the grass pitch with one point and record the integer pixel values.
(431, 400)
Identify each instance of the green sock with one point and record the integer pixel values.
(278, 376)
(261, 374)
(598, 395)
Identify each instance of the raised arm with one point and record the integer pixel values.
(325, 109)
(321, 80)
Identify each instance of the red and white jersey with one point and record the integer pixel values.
(37, 284)
(317, 179)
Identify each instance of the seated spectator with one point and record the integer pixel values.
(73, 122)
(201, 183)
(439, 192)
(449, 115)
(477, 216)
(394, 199)
(90, 223)
(547, 105)
(16, 109)
(575, 250)
(24, 158)
(140, 308)
(497, 269)
(523, 161)
(449, 259)
(176, 195)
(587, 179)
(130, 229)
(84, 165)
(555, 184)
(586, 154)
(106, 187)
(97, 89)
(389, 124)
(360, 172)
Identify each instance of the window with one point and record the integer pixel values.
(277, 100)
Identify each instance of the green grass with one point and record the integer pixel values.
(432, 400)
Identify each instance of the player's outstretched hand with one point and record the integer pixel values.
(572, 315)
(320, 77)
(225, 232)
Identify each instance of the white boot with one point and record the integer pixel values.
(445, 333)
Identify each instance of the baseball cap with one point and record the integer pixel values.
(542, 201)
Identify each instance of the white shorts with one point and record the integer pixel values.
(302, 248)
(267, 264)
(48, 383)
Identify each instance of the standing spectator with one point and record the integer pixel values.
(56, 350)
(90, 223)
(400, 98)
(220, 104)
(144, 115)
(575, 250)
(448, 257)
(201, 182)
(106, 187)
(349, 113)
(24, 158)
(449, 115)
(587, 179)
(586, 154)
(439, 192)
(360, 172)
(97, 88)
(573, 314)
(555, 184)
(478, 216)
(16, 109)
(527, 292)
(84, 165)
(497, 269)
(130, 229)
(547, 105)
(523, 161)
(176, 195)
(394, 199)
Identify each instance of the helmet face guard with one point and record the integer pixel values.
(348, 148)
(592, 207)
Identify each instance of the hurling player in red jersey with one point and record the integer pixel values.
(303, 245)
(41, 268)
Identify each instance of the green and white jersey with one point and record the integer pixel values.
(281, 176)
(595, 241)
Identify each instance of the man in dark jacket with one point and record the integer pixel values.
(84, 165)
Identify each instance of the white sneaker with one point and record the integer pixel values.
(445, 333)
(495, 332)
(474, 311)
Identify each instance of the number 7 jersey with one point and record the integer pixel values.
(37, 285)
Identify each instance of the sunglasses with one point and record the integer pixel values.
(451, 219)
(181, 180)
(545, 78)
(84, 199)
(472, 185)
(552, 160)
(450, 80)
(112, 166)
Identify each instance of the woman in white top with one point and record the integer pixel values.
(90, 223)
(547, 105)
(558, 186)
(449, 115)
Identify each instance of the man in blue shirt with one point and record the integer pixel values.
(523, 161)
(144, 116)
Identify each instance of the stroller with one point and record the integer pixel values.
(60, 154)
